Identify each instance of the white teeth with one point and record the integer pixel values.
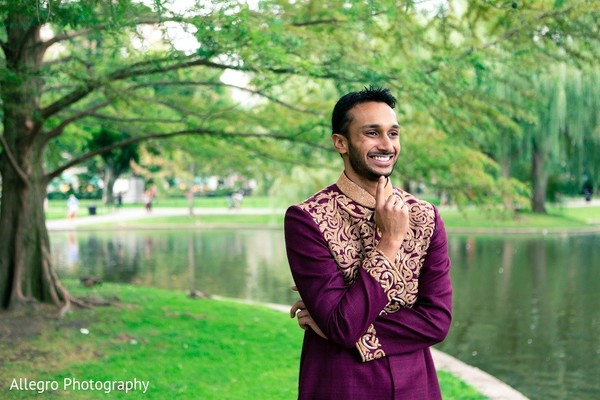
(380, 158)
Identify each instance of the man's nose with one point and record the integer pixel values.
(386, 143)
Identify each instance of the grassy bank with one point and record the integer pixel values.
(186, 348)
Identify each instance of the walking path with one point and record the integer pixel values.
(486, 384)
(130, 214)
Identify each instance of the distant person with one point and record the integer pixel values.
(72, 206)
(119, 199)
(148, 200)
(236, 199)
(588, 188)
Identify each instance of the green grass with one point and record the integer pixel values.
(567, 218)
(58, 208)
(453, 388)
(555, 218)
(187, 349)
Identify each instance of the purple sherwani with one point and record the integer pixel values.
(380, 316)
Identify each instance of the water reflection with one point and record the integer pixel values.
(244, 264)
(525, 309)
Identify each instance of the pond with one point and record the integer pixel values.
(526, 309)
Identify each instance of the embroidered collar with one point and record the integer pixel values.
(358, 194)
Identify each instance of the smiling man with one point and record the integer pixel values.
(370, 263)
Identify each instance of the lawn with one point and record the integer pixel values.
(58, 208)
(555, 218)
(184, 348)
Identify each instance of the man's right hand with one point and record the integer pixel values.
(391, 217)
(305, 321)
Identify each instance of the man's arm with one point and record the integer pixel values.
(428, 321)
(342, 312)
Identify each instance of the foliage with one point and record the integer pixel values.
(120, 63)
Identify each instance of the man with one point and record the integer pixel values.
(370, 263)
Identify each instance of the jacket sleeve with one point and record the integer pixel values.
(344, 313)
(427, 322)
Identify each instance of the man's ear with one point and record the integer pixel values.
(340, 142)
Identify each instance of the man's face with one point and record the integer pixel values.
(373, 143)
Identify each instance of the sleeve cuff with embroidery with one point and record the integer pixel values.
(368, 346)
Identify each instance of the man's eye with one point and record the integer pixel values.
(371, 133)
(394, 133)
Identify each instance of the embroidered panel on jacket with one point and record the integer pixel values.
(351, 234)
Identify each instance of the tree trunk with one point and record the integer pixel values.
(25, 263)
(539, 180)
(26, 273)
(109, 183)
(507, 199)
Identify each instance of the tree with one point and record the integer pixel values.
(68, 62)
(561, 134)
(88, 79)
(116, 161)
(532, 109)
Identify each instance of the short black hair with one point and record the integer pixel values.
(340, 118)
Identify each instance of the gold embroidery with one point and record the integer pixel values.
(346, 221)
(368, 345)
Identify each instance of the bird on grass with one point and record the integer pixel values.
(89, 281)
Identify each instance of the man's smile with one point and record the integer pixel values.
(381, 159)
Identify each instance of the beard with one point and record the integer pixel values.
(361, 168)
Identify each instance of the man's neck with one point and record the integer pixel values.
(366, 184)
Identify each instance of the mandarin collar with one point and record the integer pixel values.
(358, 194)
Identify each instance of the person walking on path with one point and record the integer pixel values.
(148, 197)
(370, 262)
(72, 206)
(588, 188)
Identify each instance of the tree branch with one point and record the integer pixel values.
(186, 132)
(244, 89)
(317, 22)
(332, 20)
(66, 36)
(65, 122)
(13, 161)
(269, 156)
(148, 67)
(57, 61)
(181, 109)
(72, 35)
(135, 120)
